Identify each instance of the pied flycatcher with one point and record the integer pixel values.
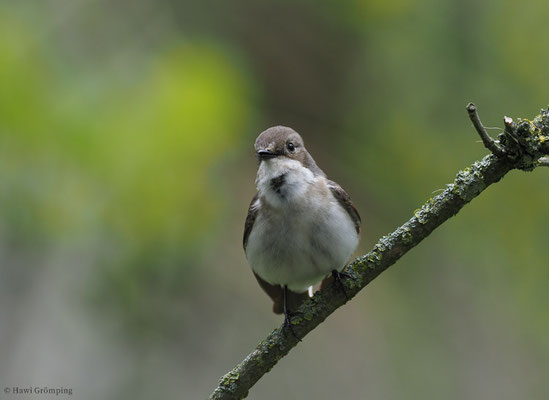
(301, 226)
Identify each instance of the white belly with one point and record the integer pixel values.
(300, 241)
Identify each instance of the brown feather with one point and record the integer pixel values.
(343, 198)
(250, 219)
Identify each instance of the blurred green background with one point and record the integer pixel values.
(127, 166)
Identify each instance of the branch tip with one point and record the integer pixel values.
(489, 143)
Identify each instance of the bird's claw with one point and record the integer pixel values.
(288, 324)
(338, 280)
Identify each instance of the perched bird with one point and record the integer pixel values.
(301, 226)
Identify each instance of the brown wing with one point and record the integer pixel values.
(250, 219)
(343, 198)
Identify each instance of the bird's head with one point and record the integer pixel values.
(280, 141)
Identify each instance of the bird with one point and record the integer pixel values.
(301, 227)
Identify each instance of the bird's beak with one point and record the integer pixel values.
(266, 154)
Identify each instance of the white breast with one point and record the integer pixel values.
(297, 180)
(300, 234)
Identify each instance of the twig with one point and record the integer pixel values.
(468, 184)
(489, 143)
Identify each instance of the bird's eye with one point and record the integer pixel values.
(291, 147)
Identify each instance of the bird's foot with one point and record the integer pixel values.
(288, 324)
(338, 280)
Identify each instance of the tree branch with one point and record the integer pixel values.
(489, 143)
(521, 146)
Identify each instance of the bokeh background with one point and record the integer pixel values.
(127, 166)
